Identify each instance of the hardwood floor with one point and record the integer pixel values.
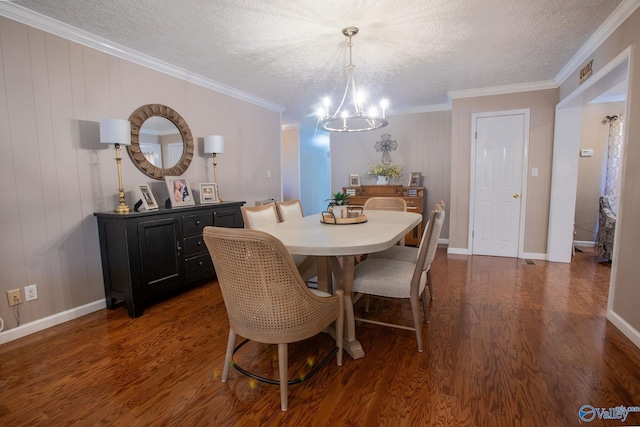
(509, 344)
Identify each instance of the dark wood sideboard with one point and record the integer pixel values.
(148, 254)
(414, 196)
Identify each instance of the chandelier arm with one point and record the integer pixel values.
(344, 97)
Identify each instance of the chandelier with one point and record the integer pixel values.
(354, 120)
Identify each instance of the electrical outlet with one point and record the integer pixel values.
(31, 292)
(14, 297)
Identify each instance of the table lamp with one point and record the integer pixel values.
(118, 132)
(214, 144)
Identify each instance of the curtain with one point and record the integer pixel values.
(614, 155)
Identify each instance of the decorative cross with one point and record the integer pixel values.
(385, 145)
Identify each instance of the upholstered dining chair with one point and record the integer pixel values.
(398, 279)
(291, 209)
(409, 254)
(386, 204)
(266, 299)
(259, 216)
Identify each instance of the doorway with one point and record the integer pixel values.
(564, 174)
(498, 182)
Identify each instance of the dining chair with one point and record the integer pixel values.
(386, 204)
(260, 216)
(406, 253)
(396, 279)
(291, 209)
(266, 299)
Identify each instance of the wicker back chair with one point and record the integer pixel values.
(259, 216)
(265, 297)
(404, 279)
(385, 204)
(289, 210)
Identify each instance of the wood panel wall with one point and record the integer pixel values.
(424, 145)
(542, 109)
(55, 174)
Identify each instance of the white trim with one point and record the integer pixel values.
(502, 90)
(584, 243)
(50, 25)
(533, 255)
(421, 109)
(619, 15)
(53, 320)
(458, 251)
(443, 242)
(624, 327)
(291, 126)
(526, 112)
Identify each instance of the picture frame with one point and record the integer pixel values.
(415, 179)
(146, 197)
(354, 180)
(208, 192)
(180, 193)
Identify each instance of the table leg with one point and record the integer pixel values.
(344, 278)
(324, 274)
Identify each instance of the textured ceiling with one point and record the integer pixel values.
(292, 53)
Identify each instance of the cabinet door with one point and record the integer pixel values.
(229, 218)
(161, 253)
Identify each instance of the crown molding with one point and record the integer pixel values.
(45, 23)
(502, 90)
(619, 15)
(417, 110)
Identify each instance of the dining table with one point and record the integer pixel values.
(336, 247)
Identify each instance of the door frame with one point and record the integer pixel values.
(525, 168)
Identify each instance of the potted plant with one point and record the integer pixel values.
(384, 172)
(338, 204)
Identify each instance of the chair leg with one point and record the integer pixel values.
(340, 336)
(417, 322)
(231, 342)
(429, 283)
(425, 307)
(282, 365)
(366, 303)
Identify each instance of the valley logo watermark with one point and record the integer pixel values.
(588, 413)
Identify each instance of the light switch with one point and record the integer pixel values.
(534, 171)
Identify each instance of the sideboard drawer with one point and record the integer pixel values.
(194, 246)
(192, 225)
(199, 265)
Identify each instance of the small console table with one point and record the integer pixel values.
(147, 254)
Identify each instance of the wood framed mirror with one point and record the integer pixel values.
(158, 133)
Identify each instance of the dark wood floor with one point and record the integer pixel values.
(510, 344)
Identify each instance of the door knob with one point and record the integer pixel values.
(516, 195)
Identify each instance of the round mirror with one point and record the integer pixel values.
(161, 141)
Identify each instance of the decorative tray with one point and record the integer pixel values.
(329, 218)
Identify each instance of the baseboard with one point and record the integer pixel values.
(624, 327)
(458, 251)
(53, 320)
(584, 243)
(533, 255)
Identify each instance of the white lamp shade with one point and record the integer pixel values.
(213, 144)
(115, 131)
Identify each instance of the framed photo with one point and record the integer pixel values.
(414, 180)
(180, 193)
(146, 196)
(354, 180)
(208, 192)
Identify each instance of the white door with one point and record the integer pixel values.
(498, 184)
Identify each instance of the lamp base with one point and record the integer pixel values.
(122, 209)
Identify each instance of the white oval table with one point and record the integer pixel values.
(309, 236)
